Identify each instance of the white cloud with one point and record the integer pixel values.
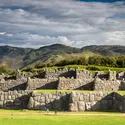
(35, 23)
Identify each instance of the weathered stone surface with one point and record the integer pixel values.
(1, 104)
(88, 106)
(42, 99)
(81, 106)
(36, 105)
(2, 97)
(30, 103)
(92, 97)
(73, 107)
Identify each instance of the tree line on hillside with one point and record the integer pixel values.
(92, 60)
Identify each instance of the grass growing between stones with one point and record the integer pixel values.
(37, 118)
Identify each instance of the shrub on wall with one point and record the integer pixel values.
(4, 69)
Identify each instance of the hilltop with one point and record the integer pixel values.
(16, 57)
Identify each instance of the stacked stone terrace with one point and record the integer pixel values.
(22, 91)
(74, 79)
(110, 81)
(63, 101)
(65, 79)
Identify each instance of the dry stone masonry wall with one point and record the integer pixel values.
(71, 84)
(51, 101)
(106, 85)
(66, 79)
(14, 99)
(68, 73)
(96, 101)
(63, 101)
(50, 83)
(18, 84)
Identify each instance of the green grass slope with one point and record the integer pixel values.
(106, 50)
(17, 57)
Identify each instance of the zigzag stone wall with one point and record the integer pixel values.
(70, 84)
(83, 74)
(106, 85)
(52, 101)
(66, 79)
(96, 101)
(50, 83)
(113, 81)
(14, 99)
(63, 101)
(68, 73)
(18, 84)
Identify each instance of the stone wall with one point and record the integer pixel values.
(18, 84)
(83, 74)
(112, 75)
(96, 101)
(121, 76)
(65, 79)
(14, 99)
(51, 101)
(50, 83)
(68, 73)
(63, 101)
(106, 85)
(78, 101)
(70, 84)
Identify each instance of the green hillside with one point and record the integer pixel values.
(16, 57)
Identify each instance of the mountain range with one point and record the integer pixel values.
(16, 57)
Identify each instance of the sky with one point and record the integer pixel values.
(77, 23)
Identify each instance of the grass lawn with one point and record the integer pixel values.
(38, 118)
(122, 93)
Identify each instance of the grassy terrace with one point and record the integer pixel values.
(42, 118)
(86, 92)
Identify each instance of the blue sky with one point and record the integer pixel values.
(36, 23)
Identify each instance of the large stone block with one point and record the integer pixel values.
(73, 107)
(81, 98)
(88, 106)
(81, 106)
(1, 104)
(17, 103)
(36, 105)
(30, 103)
(2, 98)
(91, 97)
(42, 99)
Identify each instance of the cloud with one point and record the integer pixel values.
(35, 23)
